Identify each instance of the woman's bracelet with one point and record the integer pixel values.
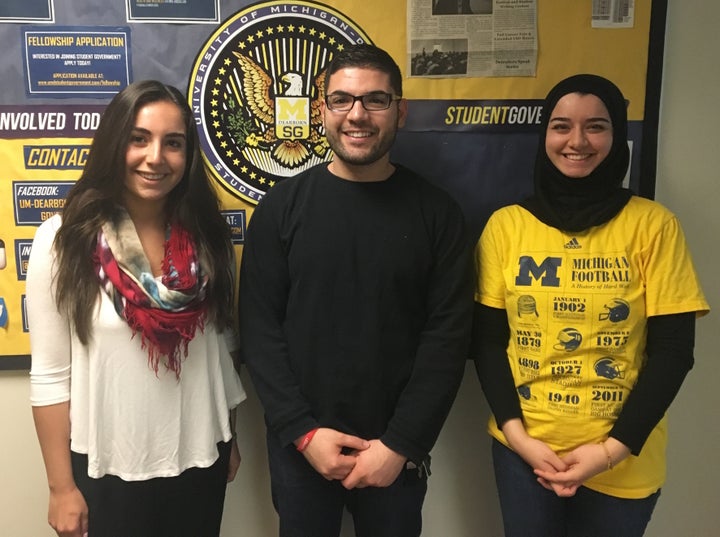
(306, 440)
(607, 454)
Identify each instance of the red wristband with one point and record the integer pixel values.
(306, 440)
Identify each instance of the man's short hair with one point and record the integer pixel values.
(369, 57)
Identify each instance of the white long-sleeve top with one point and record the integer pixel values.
(130, 422)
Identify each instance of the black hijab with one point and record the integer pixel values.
(575, 204)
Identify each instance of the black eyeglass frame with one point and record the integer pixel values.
(390, 96)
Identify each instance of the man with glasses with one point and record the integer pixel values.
(355, 309)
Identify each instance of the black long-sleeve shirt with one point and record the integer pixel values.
(356, 307)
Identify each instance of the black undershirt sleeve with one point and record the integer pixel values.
(491, 333)
(670, 344)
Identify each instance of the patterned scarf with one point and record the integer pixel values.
(167, 311)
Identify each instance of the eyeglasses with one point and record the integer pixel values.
(372, 102)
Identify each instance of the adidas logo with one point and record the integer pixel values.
(573, 244)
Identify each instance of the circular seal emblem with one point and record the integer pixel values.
(256, 89)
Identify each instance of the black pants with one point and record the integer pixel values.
(189, 505)
(311, 506)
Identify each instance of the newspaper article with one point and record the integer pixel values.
(472, 38)
(613, 13)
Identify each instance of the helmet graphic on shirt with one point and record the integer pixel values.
(569, 339)
(526, 306)
(608, 368)
(617, 310)
(524, 391)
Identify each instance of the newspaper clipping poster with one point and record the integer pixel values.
(472, 38)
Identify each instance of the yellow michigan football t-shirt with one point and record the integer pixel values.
(577, 305)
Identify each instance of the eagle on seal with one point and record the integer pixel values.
(258, 97)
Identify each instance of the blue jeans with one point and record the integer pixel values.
(311, 506)
(530, 510)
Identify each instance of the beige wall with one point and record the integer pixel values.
(689, 184)
(461, 501)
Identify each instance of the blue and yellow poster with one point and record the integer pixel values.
(475, 73)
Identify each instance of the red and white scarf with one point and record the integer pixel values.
(165, 311)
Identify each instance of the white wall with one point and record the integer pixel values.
(689, 184)
(461, 501)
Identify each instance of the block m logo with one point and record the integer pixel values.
(530, 270)
(292, 118)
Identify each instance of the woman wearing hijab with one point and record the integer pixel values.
(585, 317)
(130, 299)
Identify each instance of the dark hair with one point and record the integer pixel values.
(96, 198)
(369, 57)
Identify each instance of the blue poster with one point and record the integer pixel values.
(36, 201)
(177, 11)
(26, 11)
(76, 61)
